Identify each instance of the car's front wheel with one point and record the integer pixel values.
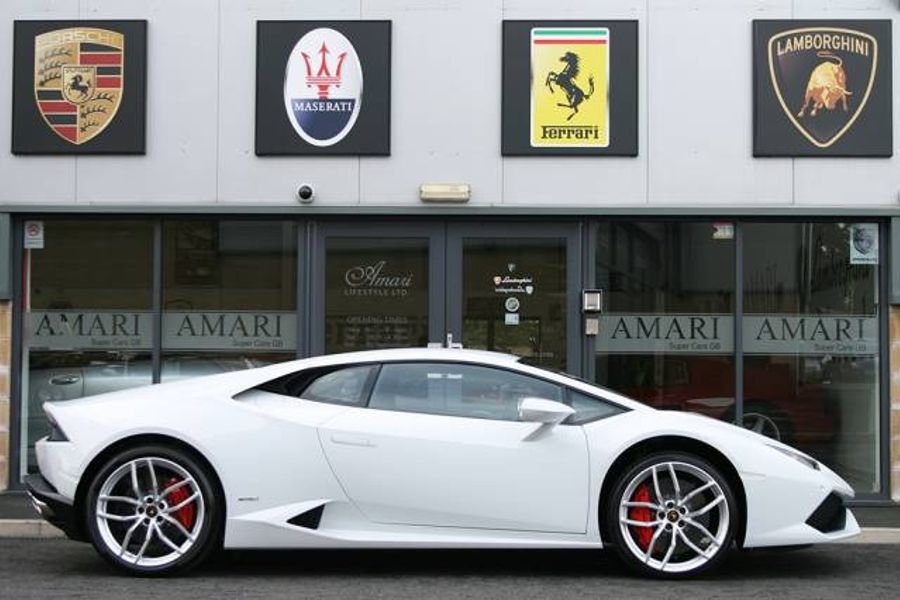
(671, 514)
(153, 510)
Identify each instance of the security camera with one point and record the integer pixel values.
(305, 193)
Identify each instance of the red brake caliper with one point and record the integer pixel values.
(185, 514)
(644, 534)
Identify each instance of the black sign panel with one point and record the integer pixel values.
(570, 88)
(822, 88)
(79, 87)
(323, 87)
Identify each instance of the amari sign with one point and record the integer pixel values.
(107, 330)
(650, 334)
(823, 88)
(855, 335)
(122, 330)
(235, 330)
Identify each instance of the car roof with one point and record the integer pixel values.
(242, 380)
(391, 354)
(388, 355)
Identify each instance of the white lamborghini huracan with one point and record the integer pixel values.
(424, 448)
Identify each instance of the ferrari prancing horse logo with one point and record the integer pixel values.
(78, 80)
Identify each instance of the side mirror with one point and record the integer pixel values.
(546, 412)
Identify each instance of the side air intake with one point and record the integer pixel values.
(830, 515)
(309, 519)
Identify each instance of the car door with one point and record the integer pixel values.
(440, 444)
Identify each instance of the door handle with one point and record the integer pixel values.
(65, 379)
(352, 440)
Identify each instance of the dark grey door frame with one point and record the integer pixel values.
(320, 232)
(570, 231)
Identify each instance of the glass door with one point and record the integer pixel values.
(515, 288)
(377, 285)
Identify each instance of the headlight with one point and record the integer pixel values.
(798, 456)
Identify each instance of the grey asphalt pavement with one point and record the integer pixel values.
(56, 568)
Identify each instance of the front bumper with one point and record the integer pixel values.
(54, 508)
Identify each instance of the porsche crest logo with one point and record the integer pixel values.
(78, 79)
(822, 77)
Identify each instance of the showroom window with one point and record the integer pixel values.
(514, 297)
(87, 315)
(666, 336)
(376, 293)
(810, 328)
(229, 295)
(811, 341)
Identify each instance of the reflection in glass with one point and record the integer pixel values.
(811, 340)
(376, 293)
(666, 337)
(229, 296)
(514, 298)
(87, 320)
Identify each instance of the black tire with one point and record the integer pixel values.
(207, 525)
(627, 549)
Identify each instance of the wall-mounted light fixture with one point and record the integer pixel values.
(445, 192)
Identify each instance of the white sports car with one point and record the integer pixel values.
(424, 448)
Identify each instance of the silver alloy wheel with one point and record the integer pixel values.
(685, 501)
(135, 515)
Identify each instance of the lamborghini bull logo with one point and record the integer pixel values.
(827, 86)
(817, 69)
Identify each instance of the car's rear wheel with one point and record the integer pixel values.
(671, 514)
(153, 510)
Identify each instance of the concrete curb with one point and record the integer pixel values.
(38, 528)
(28, 528)
(875, 535)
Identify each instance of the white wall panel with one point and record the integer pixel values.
(181, 109)
(30, 179)
(701, 105)
(245, 178)
(860, 181)
(445, 100)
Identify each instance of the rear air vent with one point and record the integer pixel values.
(309, 519)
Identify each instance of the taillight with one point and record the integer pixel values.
(56, 433)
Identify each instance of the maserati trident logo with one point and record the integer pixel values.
(78, 78)
(323, 87)
(822, 77)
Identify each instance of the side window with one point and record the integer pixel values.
(589, 408)
(342, 386)
(458, 390)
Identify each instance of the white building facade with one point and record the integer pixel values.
(731, 284)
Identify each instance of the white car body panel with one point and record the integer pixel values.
(418, 480)
(420, 469)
